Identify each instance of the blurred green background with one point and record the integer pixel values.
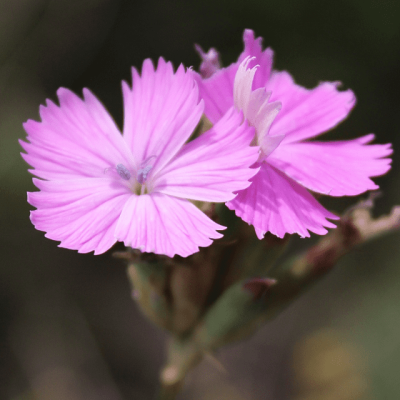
(68, 327)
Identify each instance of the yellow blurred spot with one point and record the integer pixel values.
(328, 368)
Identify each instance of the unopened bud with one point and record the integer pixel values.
(210, 61)
(258, 287)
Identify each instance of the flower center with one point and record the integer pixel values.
(137, 185)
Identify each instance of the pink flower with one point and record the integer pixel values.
(99, 186)
(278, 200)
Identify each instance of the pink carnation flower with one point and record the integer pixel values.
(278, 200)
(99, 186)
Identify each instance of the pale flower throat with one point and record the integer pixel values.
(143, 172)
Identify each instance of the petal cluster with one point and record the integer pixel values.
(98, 186)
(285, 115)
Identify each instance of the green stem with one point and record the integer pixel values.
(183, 355)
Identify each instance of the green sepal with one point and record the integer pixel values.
(230, 317)
(149, 283)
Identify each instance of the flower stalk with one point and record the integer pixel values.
(175, 293)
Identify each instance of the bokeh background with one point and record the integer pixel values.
(68, 327)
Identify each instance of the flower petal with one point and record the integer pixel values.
(277, 204)
(161, 112)
(81, 213)
(217, 91)
(165, 225)
(261, 114)
(242, 87)
(307, 113)
(214, 165)
(263, 58)
(341, 168)
(77, 139)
